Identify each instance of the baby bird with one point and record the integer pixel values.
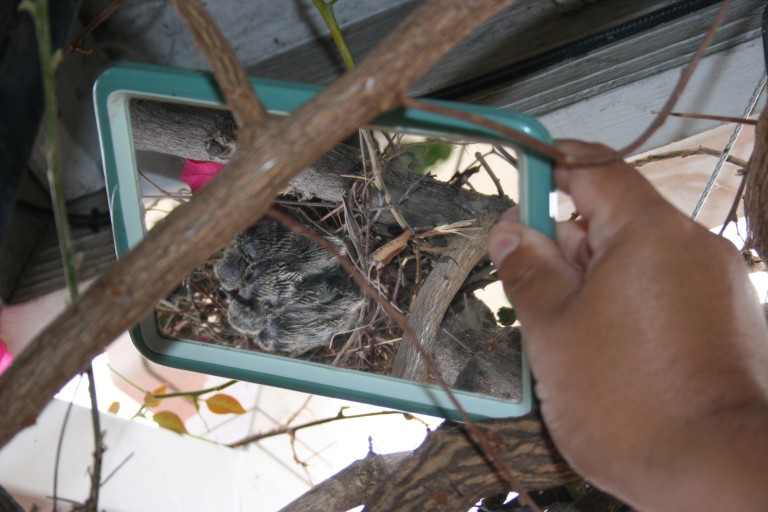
(286, 293)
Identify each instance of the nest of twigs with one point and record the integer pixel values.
(197, 308)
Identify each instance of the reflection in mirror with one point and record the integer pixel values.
(410, 211)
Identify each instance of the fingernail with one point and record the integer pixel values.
(502, 245)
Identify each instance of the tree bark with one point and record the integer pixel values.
(350, 487)
(756, 191)
(448, 472)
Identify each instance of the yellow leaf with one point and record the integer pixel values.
(114, 407)
(169, 420)
(221, 403)
(150, 400)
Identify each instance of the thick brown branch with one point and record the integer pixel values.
(230, 75)
(756, 192)
(227, 205)
(351, 486)
(446, 472)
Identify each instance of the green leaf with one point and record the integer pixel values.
(163, 319)
(507, 316)
(421, 157)
(170, 421)
(222, 403)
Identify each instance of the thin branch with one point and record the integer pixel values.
(481, 159)
(329, 17)
(118, 468)
(246, 107)
(195, 394)
(709, 117)
(732, 213)
(59, 447)
(39, 11)
(685, 76)
(685, 153)
(292, 430)
(92, 503)
(49, 60)
(74, 45)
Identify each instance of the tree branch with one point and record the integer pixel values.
(447, 472)
(350, 487)
(230, 75)
(756, 191)
(439, 289)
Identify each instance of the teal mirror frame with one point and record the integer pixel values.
(112, 94)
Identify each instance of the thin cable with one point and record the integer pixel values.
(727, 151)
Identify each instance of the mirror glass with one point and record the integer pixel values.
(408, 210)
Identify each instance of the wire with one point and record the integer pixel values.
(727, 150)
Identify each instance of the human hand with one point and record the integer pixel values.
(647, 341)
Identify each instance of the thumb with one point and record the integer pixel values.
(536, 276)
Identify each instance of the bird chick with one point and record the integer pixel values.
(285, 292)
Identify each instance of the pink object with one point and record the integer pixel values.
(196, 173)
(5, 357)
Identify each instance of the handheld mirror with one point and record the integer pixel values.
(272, 307)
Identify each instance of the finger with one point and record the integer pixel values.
(536, 276)
(574, 244)
(609, 195)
